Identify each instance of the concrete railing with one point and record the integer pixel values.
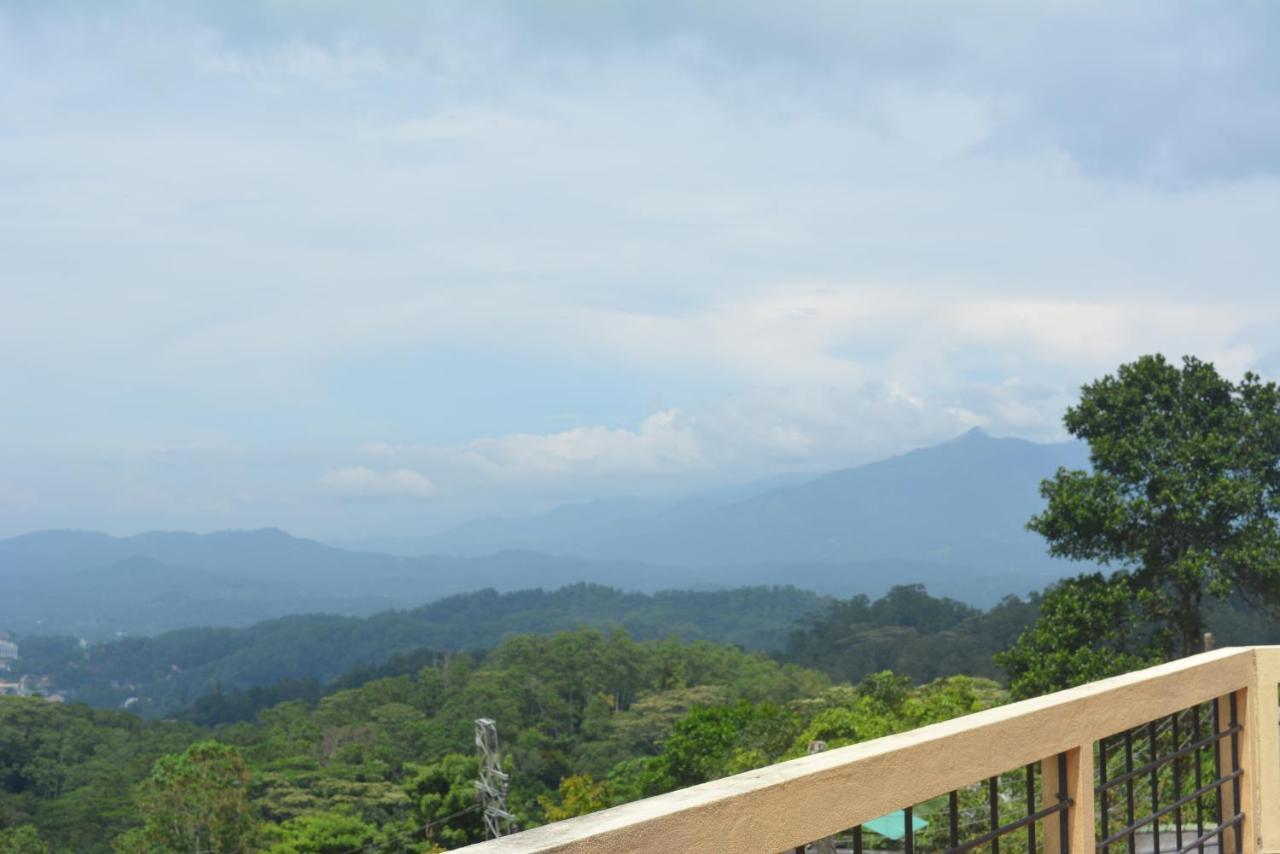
(786, 806)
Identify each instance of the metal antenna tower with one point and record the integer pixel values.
(491, 788)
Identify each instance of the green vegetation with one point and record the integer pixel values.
(384, 756)
(1183, 496)
(69, 769)
(1183, 493)
(193, 801)
(1085, 631)
(587, 720)
(24, 839)
(908, 632)
(170, 671)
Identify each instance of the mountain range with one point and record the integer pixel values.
(950, 516)
(962, 502)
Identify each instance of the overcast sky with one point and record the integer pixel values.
(369, 268)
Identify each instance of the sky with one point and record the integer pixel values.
(369, 269)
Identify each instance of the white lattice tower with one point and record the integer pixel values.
(491, 788)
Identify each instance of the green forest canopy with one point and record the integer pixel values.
(169, 671)
(587, 719)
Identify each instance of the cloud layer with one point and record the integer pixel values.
(267, 266)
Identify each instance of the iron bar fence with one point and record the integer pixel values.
(977, 818)
(1180, 752)
(1139, 789)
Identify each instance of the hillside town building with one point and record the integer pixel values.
(8, 652)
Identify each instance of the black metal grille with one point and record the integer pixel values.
(970, 819)
(1169, 785)
(1166, 779)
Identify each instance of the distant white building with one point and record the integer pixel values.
(8, 652)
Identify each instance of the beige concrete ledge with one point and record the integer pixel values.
(781, 806)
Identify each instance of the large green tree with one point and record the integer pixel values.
(1183, 494)
(334, 832)
(444, 795)
(194, 801)
(1086, 631)
(23, 839)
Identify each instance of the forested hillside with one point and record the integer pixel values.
(586, 720)
(171, 670)
(909, 632)
(383, 756)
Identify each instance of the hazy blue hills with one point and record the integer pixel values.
(268, 554)
(140, 595)
(146, 584)
(951, 517)
(569, 528)
(963, 504)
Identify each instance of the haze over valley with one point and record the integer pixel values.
(949, 516)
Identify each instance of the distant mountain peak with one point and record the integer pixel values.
(972, 434)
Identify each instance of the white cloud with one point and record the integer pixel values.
(748, 435)
(1098, 332)
(666, 443)
(731, 242)
(364, 484)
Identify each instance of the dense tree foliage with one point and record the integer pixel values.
(909, 632)
(1184, 491)
(1088, 629)
(383, 757)
(69, 769)
(169, 671)
(586, 719)
(1085, 631)
(336, 831)
(906, 631)
(23, 839)
(194, 801)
